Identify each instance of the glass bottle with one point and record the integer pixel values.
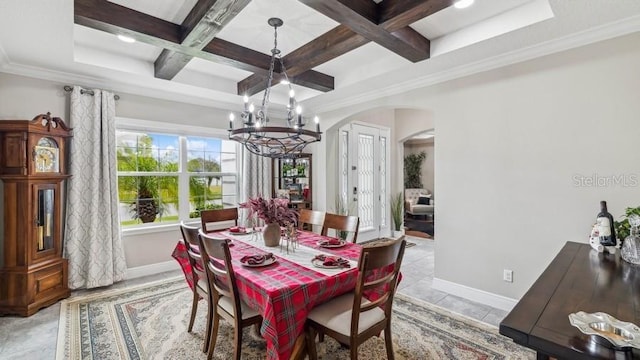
(605, 226)
(630, 251)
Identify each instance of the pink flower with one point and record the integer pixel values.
(271, 210)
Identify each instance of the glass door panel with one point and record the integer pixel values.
(45, 219)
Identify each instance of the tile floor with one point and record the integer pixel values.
(35, 337)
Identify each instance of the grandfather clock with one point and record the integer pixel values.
(33, 168)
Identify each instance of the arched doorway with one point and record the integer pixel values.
(419, 179)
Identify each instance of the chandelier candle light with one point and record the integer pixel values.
(260, 137)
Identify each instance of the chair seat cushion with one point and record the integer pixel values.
(227, 305)
(336, 315)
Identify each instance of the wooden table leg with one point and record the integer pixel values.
(299, 348)
(541, 356)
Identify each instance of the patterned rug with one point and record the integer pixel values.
(149, 322)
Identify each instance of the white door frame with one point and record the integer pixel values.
(369, 199)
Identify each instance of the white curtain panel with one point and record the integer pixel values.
(256, 176)
(93, 243)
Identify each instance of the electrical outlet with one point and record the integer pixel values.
(507, 275)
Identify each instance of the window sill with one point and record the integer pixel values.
(141, 230)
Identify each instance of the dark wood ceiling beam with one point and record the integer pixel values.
(396, 14)
(202, 24)
(310, 79)
(115, 19)
(238, 56)
(365, 8)
(413, 47)
(327, 46)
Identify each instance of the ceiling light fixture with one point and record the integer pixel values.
(461, 4)
(126, 39)
(257, 134)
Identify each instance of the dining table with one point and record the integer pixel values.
(284, 292)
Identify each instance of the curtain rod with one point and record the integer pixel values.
(68, 88)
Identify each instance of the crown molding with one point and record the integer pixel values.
(582, 38)
(123, 84)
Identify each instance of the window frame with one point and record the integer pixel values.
(182, 131)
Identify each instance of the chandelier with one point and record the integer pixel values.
(261, 137)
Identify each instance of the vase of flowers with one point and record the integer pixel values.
(275, 213)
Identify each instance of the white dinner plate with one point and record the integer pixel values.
(267, 262)
(246, 232)
(329, 246)
(319, 264)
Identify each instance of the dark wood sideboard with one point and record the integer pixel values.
(578, 279)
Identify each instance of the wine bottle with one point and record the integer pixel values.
(606, 231)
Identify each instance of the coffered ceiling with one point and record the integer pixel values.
(212, 51)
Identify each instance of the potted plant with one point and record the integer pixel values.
(413, 170)
(146, 207)
(275, 213)
(397, 212)
(342, 207)
(623, 227)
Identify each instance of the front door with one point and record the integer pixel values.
(364, 177)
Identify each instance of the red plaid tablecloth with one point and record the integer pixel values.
(285, 292)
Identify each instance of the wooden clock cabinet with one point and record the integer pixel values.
(33, 169)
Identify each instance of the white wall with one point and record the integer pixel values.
(510, 142)
(24, 97)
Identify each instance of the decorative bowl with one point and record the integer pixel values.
(618, 334)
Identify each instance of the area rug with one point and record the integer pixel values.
(150, 321)
(423, 226)
(417, 234)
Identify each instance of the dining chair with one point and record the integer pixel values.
(218, 219)
(224, 293)
(200, 284)
(311, 217)
(341, 223)
(352, 318)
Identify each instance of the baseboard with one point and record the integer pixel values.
(151, 269)
(473, 294)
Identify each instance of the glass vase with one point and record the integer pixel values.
(630, 251)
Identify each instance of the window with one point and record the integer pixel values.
(165, 178)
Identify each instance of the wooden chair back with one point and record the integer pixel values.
(222, 279)
(341, 223)
(192, 243)
(383, 261)
(311, 217)
(218, 219)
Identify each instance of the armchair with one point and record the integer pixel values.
(411, 206)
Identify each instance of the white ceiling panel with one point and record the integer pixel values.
(223, 71)
(99, 40)
(362, 63)
(170, 10)
(301, 25)
(452, 19)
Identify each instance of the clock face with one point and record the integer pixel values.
(46, 159)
